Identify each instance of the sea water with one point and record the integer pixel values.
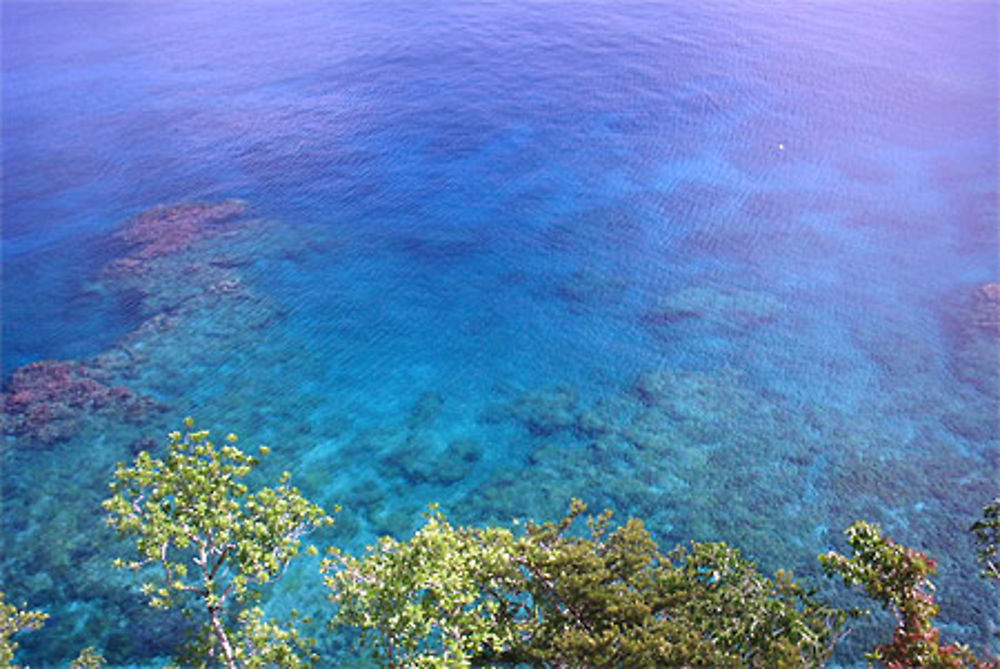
(717, 265)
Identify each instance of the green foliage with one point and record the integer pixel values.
(987, 534)
(752, 620)
(459, 596)
(614, 599)
(898, 578)
(215, 542)
(431, 601)
(257, 642)
(88, 658)
(12, 621)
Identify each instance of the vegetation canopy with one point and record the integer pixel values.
(898, 578)
(579, 592)
(460, 595)
(214, 543)
(12, 621)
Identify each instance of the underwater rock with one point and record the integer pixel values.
(168, 229)
(548, 454)
(973, 324)
(49, 401)
(414, 459)
(367, 496)
(348, 525)
(607, 416)
(546, 411)
(182, 253)
(591, 423)
(189, 271)
(655, 432)
(425, 410)
(114, 362)
(420, 460)
(705, 408)
(380, 443)
(653, 385)
(700, 392)
(465, 450)
(723, 310)
(456, 462)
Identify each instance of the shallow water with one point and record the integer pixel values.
(715, 266)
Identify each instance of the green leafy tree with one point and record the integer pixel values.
(214, 544)
(458, 596)
(898, 578)
(613, 599)
(435, 600)
(987, 533)
(12, 621)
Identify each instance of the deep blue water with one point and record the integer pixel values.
(494, 222)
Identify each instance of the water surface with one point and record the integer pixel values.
(716, 266)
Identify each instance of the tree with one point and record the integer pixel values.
(215, 543)
(434, 600)
(898, 578)
(12, 621)
(987, 534)
(613, 599)
(458, 596)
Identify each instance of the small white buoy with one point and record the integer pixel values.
(781, 147)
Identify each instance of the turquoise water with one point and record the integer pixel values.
(716, 266)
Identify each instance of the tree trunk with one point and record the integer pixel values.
(220, 634)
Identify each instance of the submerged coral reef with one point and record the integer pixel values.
(51, 400)
(190, 273)
(710, 447)
(184, 270)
